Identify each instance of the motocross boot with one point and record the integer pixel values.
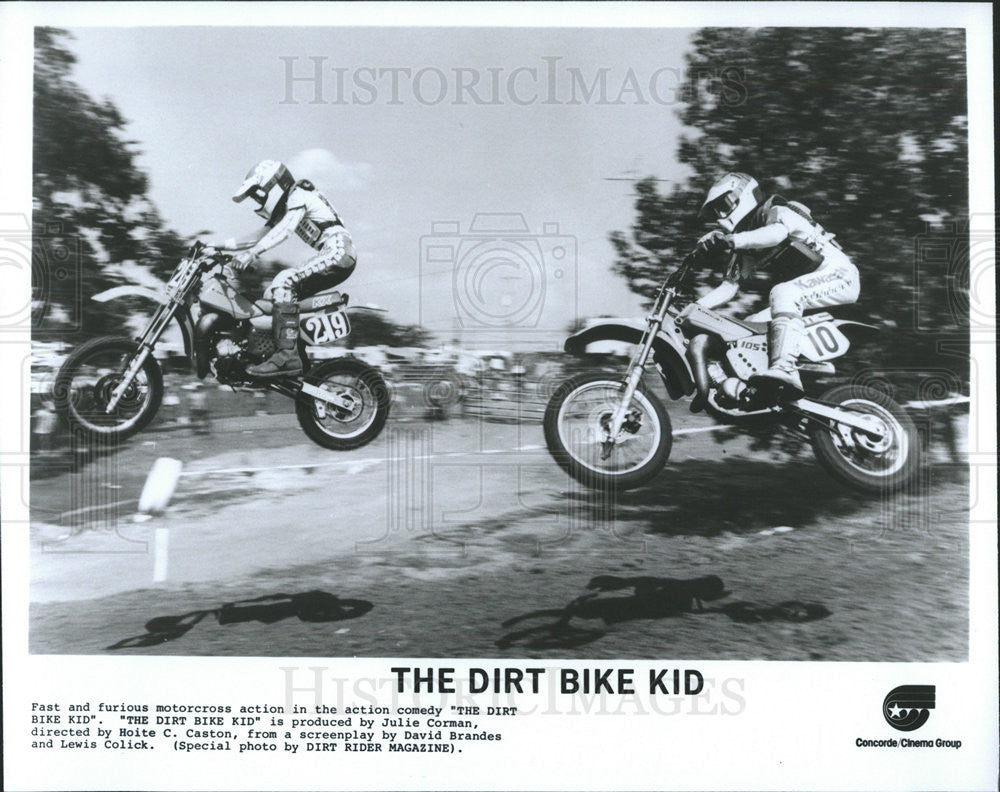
(285, 360)
(783, 334)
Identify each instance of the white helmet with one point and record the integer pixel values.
(267, 183)
(730, 199)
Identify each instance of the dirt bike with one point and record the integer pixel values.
(607, 431)
(113, 386)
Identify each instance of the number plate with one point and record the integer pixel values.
(324, 328)
(823, 341)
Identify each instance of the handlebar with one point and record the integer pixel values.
(208, 258)
(199, 248)
(220, 258)
(668, 289)
(675, 277)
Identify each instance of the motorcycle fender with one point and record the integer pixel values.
(668, 349)
(130, 291)
(182, 315)
(855, 330)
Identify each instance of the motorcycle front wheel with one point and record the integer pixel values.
(865, 462)
(363, 414)
(575, 421)
(89, 376)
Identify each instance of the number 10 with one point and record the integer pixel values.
(823, 335)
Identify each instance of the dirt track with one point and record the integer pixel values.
(463, 538)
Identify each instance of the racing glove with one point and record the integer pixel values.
(715, 243)
(243, 259)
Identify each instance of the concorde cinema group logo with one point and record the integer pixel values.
(907, 707)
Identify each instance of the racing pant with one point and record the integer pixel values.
(835, 282)
(331, 266)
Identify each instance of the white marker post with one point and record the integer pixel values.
(159, 488)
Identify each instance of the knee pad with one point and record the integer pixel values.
(349, 255)
(348, 262)
(281, 289)
(853, 279)
(785, 298)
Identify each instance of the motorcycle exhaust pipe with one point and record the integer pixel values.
(202, 347)
(699, 368)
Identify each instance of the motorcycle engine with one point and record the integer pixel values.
(730, 390)
(234, 353)
(734, 388)
(226, 346)
(228, 362)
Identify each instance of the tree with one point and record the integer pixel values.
(90, 207)
(867, 128)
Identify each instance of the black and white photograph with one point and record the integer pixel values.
(381, 380)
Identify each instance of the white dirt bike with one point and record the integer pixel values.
(112, 386)
(609, 431)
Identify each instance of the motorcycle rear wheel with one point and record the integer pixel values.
(82, 402)
(343, 430)
(575, 444)
(864, 463)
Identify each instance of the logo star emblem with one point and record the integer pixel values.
(908, 707)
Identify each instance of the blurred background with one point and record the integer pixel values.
(605, 164)
(491, 222)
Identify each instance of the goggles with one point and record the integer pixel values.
(719, 208)
(254, 191)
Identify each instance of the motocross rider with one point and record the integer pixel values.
(290, 206)
(811, 269)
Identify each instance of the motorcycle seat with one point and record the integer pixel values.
(755, 327)
(323, 299)
(320, 300)
(817, 315)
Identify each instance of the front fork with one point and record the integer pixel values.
(632, 379)
(147, 341)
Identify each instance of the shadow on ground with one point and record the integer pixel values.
(651, 598)
(70, 453)
(310, 606)
(738, 495)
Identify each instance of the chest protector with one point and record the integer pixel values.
(802, 251)
(319, 217)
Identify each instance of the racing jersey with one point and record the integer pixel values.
(308, 213)
(782, 238)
